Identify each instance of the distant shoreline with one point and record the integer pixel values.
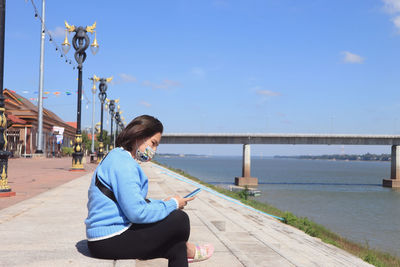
(333, 157)
(342, 157)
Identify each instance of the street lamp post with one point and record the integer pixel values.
(111, 106)
(39, 148)
(122, 122)
(117, 122)
(5, 190)
(93, 111)
(92, 152)
(80, 42)
(102, 97)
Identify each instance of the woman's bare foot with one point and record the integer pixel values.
(198, 253)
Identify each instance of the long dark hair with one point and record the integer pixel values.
(140, 128)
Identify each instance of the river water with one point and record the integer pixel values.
(345, 196)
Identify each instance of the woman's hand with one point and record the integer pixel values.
(182, 202)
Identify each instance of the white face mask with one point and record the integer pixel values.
(145, 156)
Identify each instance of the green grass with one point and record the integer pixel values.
(372, 256)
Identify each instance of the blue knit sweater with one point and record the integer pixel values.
(123, 175)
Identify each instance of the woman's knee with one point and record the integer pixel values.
(181, 221)
(180, 217)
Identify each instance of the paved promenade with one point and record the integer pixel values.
(48, 229)
(29, 177)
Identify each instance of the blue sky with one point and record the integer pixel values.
(224, 66)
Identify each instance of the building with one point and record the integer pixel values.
(22, 127)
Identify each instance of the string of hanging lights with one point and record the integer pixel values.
(51, 38)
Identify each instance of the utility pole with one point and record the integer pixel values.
(39, 147)
(93, 110)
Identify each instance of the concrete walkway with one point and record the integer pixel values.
(48, 230)
(29, 177)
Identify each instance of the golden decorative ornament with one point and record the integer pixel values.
(70, 28)
(91, 28)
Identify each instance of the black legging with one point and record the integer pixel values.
(163, 239)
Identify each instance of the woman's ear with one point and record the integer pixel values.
(137, 144)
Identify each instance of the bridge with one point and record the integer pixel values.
(290, 139)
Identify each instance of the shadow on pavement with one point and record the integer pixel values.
(82, 248)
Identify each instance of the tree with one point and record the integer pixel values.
(86, 142)
(106, 139)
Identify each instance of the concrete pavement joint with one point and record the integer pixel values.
(272, 248)
(223, 214)
(12, 216)
(244, 260)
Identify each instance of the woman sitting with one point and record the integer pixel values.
(122, 223)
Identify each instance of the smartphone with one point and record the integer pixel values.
(192, 193)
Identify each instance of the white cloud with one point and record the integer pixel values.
(146, 104)
(123, 78)
(164, 85)
(391, 6)
(280, 114)
(169, 83)
(286, 121)
(220, 3)
(264, 95)
(57, 32)
(199, 72)
(352, 58)
(267, 92)
(127, 78)
(396, 22)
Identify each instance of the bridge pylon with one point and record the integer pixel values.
(246, 179)
(394, 180)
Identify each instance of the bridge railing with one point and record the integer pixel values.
(292, 139)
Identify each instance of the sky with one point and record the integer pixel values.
(220, 66)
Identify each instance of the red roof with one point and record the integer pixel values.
(15, 119)
(72, 123)
(90, 136)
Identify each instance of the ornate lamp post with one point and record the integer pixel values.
(5, 190)
(122, 123)
(117, 121)
(102, 96)
(80, 42)
(111, 106)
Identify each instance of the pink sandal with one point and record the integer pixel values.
(202, 253)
